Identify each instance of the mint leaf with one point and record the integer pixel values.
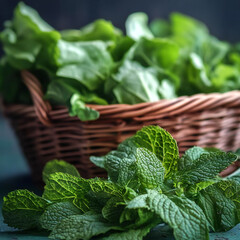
(206, 167)
(189, 157)
(135, 218)
(231, 189)
(218, 207)
(58, 166)
(98, 161)
(113, 209)
(150, 170)
(22, 209)
(121, 163)
(137, 213)
(180, 213)
(191, 199)
(193, 154)
(80, 227)
(125, 152)
(65, 187)
(101, 191)
(138, 202)
(56, 212)
(161, 143)
(127, 175)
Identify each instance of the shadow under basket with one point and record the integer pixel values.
(46, 133)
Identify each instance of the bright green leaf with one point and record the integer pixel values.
(58, 166)
(22, 209)
(150, 170)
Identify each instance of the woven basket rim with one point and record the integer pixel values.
(199, 106)
(148, 110)
(213, 95)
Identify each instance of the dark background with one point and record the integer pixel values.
(221, 16)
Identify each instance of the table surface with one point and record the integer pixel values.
(15, 174)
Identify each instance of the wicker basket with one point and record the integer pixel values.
(46, 133)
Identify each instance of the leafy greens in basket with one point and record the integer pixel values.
(148, 184)
(98, 64)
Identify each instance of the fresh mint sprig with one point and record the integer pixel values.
(148, 184)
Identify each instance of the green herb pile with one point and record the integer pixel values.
(99, 64)
(148, 184)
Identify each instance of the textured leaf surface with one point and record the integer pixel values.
(189, 157)
(206, 167)
(160, 142)
(150, 170)
(127, 173)
(184, 216)
(22, 209)
(56, 212)
(137, 213)
(220, 210)
(113, 209)
(80, 227)
(121, 164)
(65, 187)
(59, 166)
(138, 202)
(231, 189)
(125, 153)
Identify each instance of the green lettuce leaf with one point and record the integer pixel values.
(136, 26)
(160, 28)
(136, 84)
(79, 109)
(98, 30)
(87, 62)
(162, 53)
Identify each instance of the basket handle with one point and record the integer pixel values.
(41, 106)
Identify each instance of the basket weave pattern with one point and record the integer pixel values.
(211, 120)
